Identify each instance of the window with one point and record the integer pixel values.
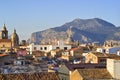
(4, 35)
(57, 48)
(65, 48)
(104, 50)
(45, 48)
(41, 48)
(102, 60)
(91, 60)
(35, 48)
(63, 78)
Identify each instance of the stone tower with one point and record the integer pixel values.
(4, 33)
(69, 39)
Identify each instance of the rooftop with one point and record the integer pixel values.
(30, 76)
(5, 40)
(1, 55)
(84, 66)
(98, 54)
(88, 74)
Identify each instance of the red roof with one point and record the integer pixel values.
(1, 55)
(21, 52)
(5, 40)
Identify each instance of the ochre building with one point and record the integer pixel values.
(7, 43)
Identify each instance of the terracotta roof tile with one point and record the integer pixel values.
(98, 54)
(84, 66)
(1, 55)
(5, 40)
(30, 76)
(89, 74)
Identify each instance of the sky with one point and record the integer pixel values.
(28, 16)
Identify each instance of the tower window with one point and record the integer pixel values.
(3, 45)
(3, 35)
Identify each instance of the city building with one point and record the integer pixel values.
(76, 54)
(111, 43)
(111, 72)
(56, 52)
(97, 57)
(4, 59)
(6, 43)
(91, 74)
(113, 66)
(65, 71)
(49, 47)
(109, 50)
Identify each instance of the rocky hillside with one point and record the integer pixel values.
(84, 30)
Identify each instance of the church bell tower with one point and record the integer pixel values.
(4, 32)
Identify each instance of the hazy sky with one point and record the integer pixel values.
(29, 16)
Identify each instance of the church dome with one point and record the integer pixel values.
(15, 39)
(14, 35)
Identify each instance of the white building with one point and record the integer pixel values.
(19, 61)
(109, 50)
(113, 66)
(102, 50)
(47, 48)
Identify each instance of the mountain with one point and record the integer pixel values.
(84, 30)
